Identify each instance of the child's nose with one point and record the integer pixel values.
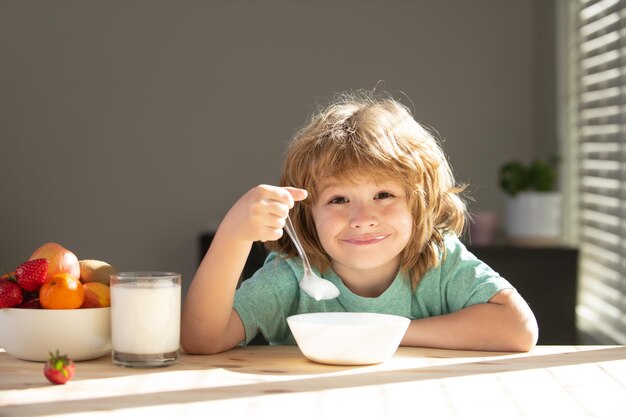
(362, 217)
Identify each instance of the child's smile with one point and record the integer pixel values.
(364, 226)
(365, 240)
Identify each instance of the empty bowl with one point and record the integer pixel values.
(82, 333)
(348, 338)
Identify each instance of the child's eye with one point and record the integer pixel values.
(383, 195)
(338, 200)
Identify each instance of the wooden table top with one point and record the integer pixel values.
(564, 381)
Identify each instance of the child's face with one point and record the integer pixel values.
(363, 225)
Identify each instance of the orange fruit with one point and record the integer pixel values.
(62, 291)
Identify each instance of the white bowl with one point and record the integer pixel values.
(348, 338)
(82, 334)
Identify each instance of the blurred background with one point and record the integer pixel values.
(128, 128)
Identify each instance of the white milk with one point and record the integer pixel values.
(146, 320)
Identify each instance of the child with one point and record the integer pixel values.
(373, 199)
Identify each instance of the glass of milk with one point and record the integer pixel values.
(145, 318)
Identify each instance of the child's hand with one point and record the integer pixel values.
(260, 213)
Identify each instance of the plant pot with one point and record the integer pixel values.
(534, 217)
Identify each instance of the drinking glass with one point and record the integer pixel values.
(145, 318)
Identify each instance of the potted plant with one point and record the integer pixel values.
(533, 205)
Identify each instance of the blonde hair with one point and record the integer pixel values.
(361, 133)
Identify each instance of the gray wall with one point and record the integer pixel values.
(127, 128)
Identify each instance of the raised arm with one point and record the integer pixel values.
(209, 322)
(505, 323)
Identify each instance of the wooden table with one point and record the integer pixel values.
(563, 381)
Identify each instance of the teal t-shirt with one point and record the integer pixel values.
(272, 294)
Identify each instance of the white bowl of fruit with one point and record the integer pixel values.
(31, 334)
(54, 302)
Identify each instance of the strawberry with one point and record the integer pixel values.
(32, 274)
(59, 369)
(10, 293)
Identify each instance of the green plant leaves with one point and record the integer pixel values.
(542, 176)
(538, 176)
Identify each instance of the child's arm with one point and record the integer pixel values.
(505, 323)
(209, 322)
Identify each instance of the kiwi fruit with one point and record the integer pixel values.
(92, 270)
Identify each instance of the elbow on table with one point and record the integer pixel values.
(204, 337)
(533, 335)
(525, 338)
(523, 344)
(195, 344)
(521, 331)
(193, 347)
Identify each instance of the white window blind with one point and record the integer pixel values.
(596, 148)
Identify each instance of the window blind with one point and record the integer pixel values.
(597, 177)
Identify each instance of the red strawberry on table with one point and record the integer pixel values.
(59, 369)
(32, 274)
(10, 293)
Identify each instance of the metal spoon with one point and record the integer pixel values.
(316, 287)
